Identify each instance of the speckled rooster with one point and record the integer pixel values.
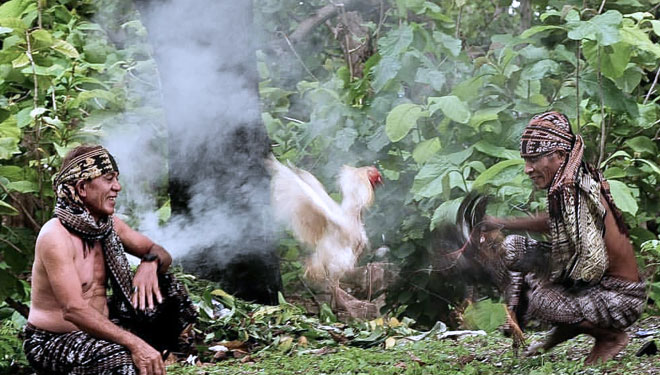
(334, 231)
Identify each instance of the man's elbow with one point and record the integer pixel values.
(73, 312)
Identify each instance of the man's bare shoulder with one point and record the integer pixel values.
(53, 235)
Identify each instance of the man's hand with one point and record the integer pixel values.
(147, 359)
(145, 286)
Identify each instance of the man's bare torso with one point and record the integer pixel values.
(46, 312)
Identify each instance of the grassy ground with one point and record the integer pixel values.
(490, 354)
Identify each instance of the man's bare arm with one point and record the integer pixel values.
(145, 281)
(539, 223)
(57, 256)
(138, 244)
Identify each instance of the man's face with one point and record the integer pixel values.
(542, 169)
(99, 195)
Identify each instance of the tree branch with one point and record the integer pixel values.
(306, 26)
(655, 81)
(34, 223)
(603, 129)
(20, 307)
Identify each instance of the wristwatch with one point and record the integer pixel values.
(149, 257)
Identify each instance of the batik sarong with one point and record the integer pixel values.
(75, 353)
(611, 302)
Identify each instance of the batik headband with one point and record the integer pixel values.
(548, 132)
(545, 133)
(87, 166)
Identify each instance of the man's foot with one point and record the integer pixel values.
(556, 336)
(606, 348)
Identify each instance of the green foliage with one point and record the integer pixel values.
(63, 80)
(442, 105)
(11, 346)
(485, 315)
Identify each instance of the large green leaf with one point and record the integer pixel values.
(496, 151)
(613, 60)
(451, 106)
(23, 187)
(642, 145)
(65, 48)
(396, 41)
(426, 149)
(13, 8)
(401, 119)
(623, 197)
(539, 69)
(451, 44)
(386, 69)
(537, 29)
(490, 174)
(485, 115)
(42, 38)
(11, 172)
(7, 209)
(640, 39)
(603, 28)
(445, 213)
(485, 315)
(8, 147)
(92, 94)
(434, 78)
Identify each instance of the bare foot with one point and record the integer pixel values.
(556, 336)
(606, 349)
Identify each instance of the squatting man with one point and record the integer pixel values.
(73, 326)
(586, 279)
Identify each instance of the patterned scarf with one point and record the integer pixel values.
(576, 212)
(73, 214)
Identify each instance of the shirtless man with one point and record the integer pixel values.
(69, 329)
(588, 281)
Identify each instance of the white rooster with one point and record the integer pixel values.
(334, 231)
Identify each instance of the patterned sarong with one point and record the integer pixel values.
(75, 353)
(609, 303)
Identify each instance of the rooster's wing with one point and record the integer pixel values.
(300, 201)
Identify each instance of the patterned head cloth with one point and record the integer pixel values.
(87, 166)
(548, 132)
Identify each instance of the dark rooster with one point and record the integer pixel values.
(467, 252)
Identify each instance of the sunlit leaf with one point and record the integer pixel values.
(401, 119)
(623, 197)
(642, 145)
(445, 213)
(602, 28)
(490, 174)
(65, 48)
(612, 61)
(451, 106)
(424, 150)
(7, 209)
(496, 151)
(485, 315)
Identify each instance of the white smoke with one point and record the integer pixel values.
(206, 97)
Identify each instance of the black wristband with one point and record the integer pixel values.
(150, 257)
